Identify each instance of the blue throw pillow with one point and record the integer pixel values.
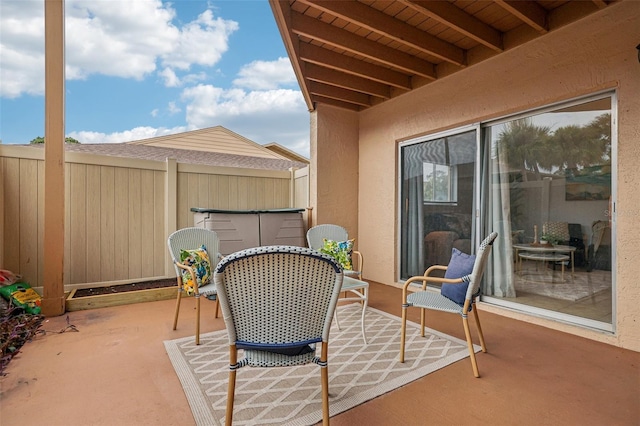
(461, 264)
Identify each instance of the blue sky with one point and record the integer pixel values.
(142, 68)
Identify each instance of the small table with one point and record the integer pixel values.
(544, 258)
(545, 253)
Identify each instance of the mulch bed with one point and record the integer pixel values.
(122, 288)
(16, 328)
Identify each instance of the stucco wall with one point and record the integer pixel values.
(592, 55)
(334, 196)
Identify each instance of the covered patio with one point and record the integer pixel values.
(537, 370)
(114, 371)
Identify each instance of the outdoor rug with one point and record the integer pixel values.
(548, 283)
(292, 395)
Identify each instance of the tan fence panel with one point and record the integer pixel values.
(21, 231)
(118, 213)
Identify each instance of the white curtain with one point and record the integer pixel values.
(497, 205)
(412, 258)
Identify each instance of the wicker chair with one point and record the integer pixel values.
(277, 303)
(427, 299)
(315, 240)
(353, 286)
(188, 239)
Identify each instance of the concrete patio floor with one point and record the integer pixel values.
(115, 371)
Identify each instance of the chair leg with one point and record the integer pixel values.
(324, 378)
(403, 332)
(231, 390)
(197, 319)
(472, 354)
(217, 306)
(175, 317)
(480, 335)
(423, 314)
(364, 302)
(335, 318)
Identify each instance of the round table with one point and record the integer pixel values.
(545, 253)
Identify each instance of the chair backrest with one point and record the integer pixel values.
(277, 295)
(193, 238)
(482, 255)
(316, 235)
(558, 229)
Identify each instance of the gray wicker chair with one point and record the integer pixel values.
(189, 239)
(315, 240)
(427, 299)
(356, 290)
(277, 303)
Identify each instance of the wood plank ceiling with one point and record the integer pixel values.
(356, 54)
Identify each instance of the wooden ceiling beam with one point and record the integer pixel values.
(529, 12)
(336, 103)
(453, 17)
(333, 92)
(343, 39)
(350, 65)
(346, 81)
(380, 23)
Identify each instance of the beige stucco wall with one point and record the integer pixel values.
(592, 55)
(334, 192)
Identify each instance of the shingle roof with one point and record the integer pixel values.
(212, 139)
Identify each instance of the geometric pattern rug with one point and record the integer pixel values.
(292, 395)
(549, 283)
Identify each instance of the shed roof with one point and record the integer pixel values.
(211, 139)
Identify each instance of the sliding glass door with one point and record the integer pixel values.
(549, 190)
(543, 181)
(437, 198)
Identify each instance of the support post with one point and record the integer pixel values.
(53, 281)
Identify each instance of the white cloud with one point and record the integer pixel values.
(170, 78)
(202, 42)
(173, 108)
(154, 113)
(263, 116)
(116, 38)
(125, 136)
(21, 48)
(266, 75)
(194, 78)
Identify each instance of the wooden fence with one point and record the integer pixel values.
(120, 211)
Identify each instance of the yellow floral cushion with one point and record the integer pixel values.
(340, 251)
(197, 259)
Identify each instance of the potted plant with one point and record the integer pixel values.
(550, 239)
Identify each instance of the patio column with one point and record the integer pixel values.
(334, 167)
(53, 286)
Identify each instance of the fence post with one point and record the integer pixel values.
(170, 207)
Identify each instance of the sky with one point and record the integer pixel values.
(137, 69)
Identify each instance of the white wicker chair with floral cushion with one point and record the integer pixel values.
(330, 239)
(277, 303)
(192, 239)
(460, 288)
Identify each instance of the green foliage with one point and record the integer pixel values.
(40, 139)
(551, 238)
(532, 149)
